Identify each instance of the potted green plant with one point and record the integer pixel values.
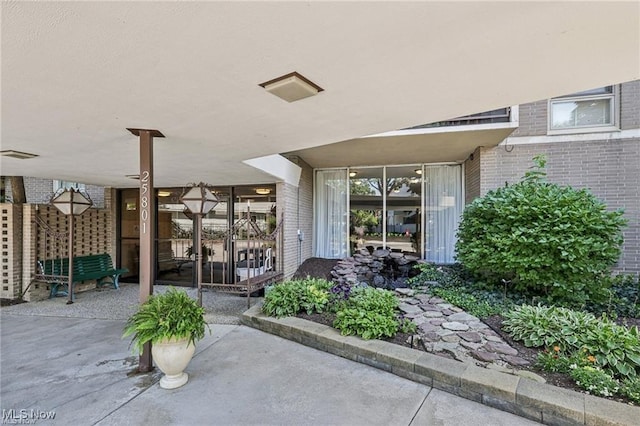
(172, 322)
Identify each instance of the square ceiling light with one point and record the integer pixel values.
(17, 154)
(292, 87)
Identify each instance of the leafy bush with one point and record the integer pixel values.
(545, 239)
(543, 326)
(631, 389)
(558, 361)
(470, 303)
(370, 314)
(428, 272)
(290, 297)
(595, 381)
(315, 296)
(613, 347)
(623, 296)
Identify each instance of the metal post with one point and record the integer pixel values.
(147, 228)
(198, 255)
(70, 284)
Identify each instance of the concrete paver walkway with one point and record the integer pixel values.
(78, 367)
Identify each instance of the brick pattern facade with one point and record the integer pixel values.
(31, 232)
(533, 119)
(297, 205)
(609, 168)
(40, 191)
(630, 105)
(11, 264)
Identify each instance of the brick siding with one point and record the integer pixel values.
(297, 205)
(609, 169)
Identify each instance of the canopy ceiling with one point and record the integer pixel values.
(75, 75)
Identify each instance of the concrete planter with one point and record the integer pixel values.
(172, 357)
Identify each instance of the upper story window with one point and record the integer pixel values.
(63, 184)
(591, 110)
(501, 115)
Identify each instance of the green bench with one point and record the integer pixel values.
(99, 267)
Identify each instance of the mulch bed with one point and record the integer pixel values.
(321, 268)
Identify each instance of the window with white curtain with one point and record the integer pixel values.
(443, 205)
(331, 214)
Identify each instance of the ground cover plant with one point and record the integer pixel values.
(553, 363)
(589, 349)
(602, 357)
(362, 311)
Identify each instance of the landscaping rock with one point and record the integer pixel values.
(463, 316)
(456, 326)
(485, 356)
(501, 348)
(471, 336)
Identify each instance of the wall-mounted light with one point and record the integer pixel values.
(263, 191)
(353, 174)
(164, 193)
(418, 171)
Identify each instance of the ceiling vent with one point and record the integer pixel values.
(291, 87)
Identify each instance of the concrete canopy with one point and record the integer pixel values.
(75, 75)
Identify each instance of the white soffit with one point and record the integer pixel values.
(427, 147)
(277, 166)
(75, 75)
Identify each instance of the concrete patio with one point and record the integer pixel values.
(70, 359)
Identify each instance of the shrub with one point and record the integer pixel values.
(595, 381)
(291, 297)
(470, 303)
(545, 239)
(631, 389)
(613, 347)
(370, 314)
(558, 361)
(427, 272)
(623, 296)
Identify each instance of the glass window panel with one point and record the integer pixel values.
(330, 214)
(443, 207)
(366, 208)
(584, 113)
(404, 191)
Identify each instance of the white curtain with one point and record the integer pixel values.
(331, 214)
(443, 207)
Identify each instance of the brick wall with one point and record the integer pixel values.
(11, 263)
(609, 169)
(532, 119)
(297, 205)
(31, 232)
(630, 105)
(40, 191)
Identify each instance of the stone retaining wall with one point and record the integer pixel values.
(379, 268)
